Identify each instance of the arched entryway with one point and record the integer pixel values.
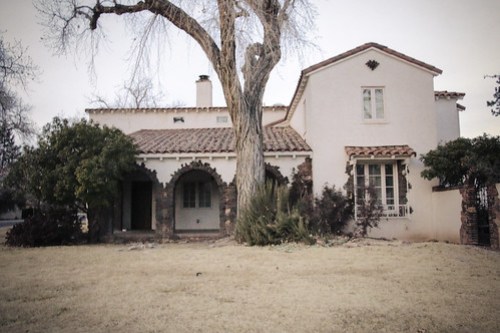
(273, 174)
(196, 194)
(197, 203)
(139, 190)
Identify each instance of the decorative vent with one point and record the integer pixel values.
(372, 64)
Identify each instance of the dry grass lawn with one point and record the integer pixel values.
(370, 286)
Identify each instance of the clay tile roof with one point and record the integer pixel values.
(448, 94)
(380, 151)
(175, 109)
(213, 140)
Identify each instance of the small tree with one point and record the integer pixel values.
(76, 165)
(369, 211)
(464, 162)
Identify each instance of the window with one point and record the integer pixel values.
(373, 103)
(222, 119)
(189, 195)
(383, 178)
(193, 191)
(204, 195)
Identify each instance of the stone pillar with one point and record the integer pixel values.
(163, 212)
(469, 229)
(494, 216)
(230, 200)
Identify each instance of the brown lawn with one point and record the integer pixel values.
(368, 286)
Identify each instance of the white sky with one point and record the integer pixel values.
(458, 36)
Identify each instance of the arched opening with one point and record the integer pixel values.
(137, 200)
(196, 198)
(273, 175)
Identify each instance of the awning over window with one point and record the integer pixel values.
(403, 151)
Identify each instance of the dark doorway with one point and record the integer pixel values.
(141, 205)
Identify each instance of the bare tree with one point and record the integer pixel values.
(495, 102)
(137, 94)
(16, 70)
(245, 34)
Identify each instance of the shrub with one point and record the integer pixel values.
(331, 212)
(268, 219)
(301, 190)
(44, 228)
(369, 211)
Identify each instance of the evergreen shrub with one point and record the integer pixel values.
(331, 213)
(44, 228)
(269, 219)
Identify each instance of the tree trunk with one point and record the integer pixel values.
(249, 152)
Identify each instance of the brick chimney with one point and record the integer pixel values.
(204, 92)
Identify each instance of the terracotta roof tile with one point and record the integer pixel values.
(213, 140)
(448, 94)
(175, 109)
(380, 151)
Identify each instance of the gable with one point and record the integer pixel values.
(356, 52)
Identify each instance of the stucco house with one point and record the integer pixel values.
(362, 116)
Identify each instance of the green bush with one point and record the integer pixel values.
(331, 212)
(44, 228)
(270, 220)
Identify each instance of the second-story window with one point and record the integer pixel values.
(373, 103)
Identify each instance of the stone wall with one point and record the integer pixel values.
(469, 216)
(494, 215)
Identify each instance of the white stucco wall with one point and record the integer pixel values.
(299, 119)
(225, 165)
(335, 120)
(447, 117)
(447, 207)
(130, 121)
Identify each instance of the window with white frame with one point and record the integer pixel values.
(373, 103)
(383, 178)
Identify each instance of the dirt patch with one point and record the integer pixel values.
(357, 286)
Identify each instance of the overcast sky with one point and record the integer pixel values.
(458, 36)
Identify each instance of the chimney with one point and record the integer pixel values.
(204, 92)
